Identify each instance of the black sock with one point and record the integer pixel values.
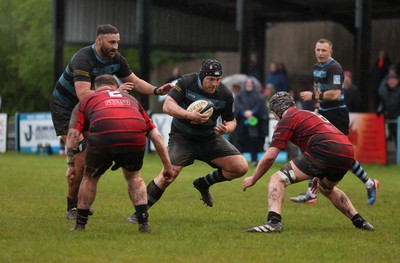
(212, 178)
(154, 194)
(357, 220)
(275, 218)
(254, 157)
(82, 216)
(71, 203)
(141, 213)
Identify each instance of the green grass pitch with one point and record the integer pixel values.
(33, 227)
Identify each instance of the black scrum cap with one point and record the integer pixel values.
(280, 102)
(210, 67)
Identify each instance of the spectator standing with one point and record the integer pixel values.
(352, 95)
(378, 72)
(236, 89)
(390, 103)
(277, 77)
(252, 120)
(391, 71)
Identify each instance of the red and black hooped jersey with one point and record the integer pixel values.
(315, 136)
(115, 121)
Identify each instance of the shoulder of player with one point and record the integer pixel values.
(85, 51)
(224, 91)
(189, 78)
(130, 97)
(83, 54)
(118, 56)
(336, 65)
(187, 81)
(104, 94)
(294, 113)
(222, 86)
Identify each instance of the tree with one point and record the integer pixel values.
(28, 46)
(26, 68)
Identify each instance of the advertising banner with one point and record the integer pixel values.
(35, 130)
(398, 141)
(367, 134)
(3, 132)
(163, 124)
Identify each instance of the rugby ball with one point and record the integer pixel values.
(205, 106)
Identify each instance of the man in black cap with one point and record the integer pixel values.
(201, 141)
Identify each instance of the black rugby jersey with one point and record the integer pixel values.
(329, 76)
(186, 91)
(86, 65)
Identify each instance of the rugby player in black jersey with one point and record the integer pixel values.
(203, 141)
(329, 95)
(77, 80)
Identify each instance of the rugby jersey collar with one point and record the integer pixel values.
(97, 56)
(326, 63)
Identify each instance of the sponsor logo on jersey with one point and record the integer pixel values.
(111, 102)
(336, 80)
(79, 72)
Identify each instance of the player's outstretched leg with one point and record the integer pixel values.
(340, 200)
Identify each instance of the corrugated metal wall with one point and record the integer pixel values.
(169, 28)
(181, 31)
(82, 18)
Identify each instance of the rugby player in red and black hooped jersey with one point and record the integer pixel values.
(116, 127)
(327, 156)
(77, 81)
(329, 95)
(318, 140)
